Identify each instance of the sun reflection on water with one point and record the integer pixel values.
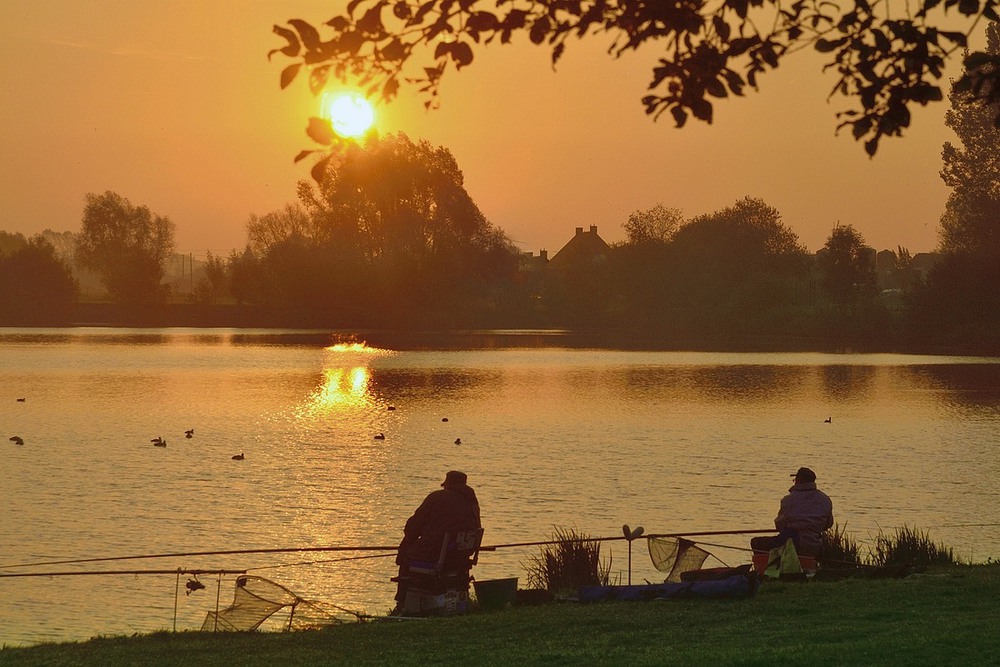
(346, 377)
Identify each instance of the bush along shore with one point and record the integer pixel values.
(907, 601)
(945, 615)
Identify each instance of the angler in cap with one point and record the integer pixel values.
(804, 513)
(452, 509)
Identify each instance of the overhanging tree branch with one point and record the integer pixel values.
(709, 50)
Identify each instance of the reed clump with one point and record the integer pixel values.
(903, 547)
(571, 561)
(909, 546)
(839, 550)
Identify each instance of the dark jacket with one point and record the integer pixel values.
(807, 510)
(450, 510)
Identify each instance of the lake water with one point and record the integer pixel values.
(554, 434)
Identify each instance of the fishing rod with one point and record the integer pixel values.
(130, 572)
(228, 552)
(232, 552)
(703, 533)
(317, 562)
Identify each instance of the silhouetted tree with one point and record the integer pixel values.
(738, 271)
(849, 312)
(971, 223)
(640, 266)
(11, 242)
(64, 244)
(401, 230)
(655, 225)
(962, 299)
(886, 62)
(127, 246)
(214, 284)
(36, 286)
(271, 228)
(904, 268)
(246, 277)
(847, 267)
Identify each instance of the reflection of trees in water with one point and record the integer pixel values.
(846, 382)
(282, 338)
(389, 384)
(484, 339)
(967, 385)
(130, 339)
(723, 383)
(749, 383)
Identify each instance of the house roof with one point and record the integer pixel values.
(583, 248)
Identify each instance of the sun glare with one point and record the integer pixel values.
(349, 112)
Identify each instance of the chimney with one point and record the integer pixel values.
(593, 229)
(579, 230)
(544, 255)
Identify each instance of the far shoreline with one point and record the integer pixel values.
(485, 336)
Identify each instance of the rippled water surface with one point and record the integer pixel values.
(566, 437)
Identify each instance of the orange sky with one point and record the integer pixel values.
(174, 105)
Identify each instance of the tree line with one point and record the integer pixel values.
(386, 236)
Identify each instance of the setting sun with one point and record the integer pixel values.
(349, 112)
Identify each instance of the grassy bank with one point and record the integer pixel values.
(945, 617)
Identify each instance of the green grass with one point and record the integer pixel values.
(945, 617)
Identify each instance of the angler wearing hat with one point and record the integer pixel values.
(452, 509)
(804, 513)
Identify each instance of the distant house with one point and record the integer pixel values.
(893, 275)
(584, 250)
(886, 270)
(528, 262)
(922, 263)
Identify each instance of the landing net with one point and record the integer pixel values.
(257, 599)
(675, 555)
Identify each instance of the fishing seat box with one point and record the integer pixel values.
(419, 602)
(433, 593)
(807, 563)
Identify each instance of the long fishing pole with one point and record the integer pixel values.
(228, 552)
(494, 547)
(317, 562)
(702, 533)
(130, 572)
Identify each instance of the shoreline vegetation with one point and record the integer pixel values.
(488, 335)
(943, 616)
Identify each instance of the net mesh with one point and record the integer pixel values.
(257, 599)
(675, 555)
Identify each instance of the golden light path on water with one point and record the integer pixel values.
(345, 378)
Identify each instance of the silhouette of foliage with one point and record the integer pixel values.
(246, 277)
(655, 225)
(736, 271)
(36, 286)
(886, 60)
(971, 223)
(214, 284)
(126, 245)
(266, 230)
(963, 292)
(388, 233)
(738, 268)
(11, 242)
(847, 266)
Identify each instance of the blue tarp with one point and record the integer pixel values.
(735, 587)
